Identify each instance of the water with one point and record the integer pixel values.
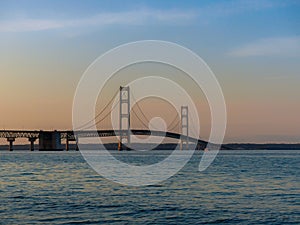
(240, 187)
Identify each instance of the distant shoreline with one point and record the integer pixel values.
(267, 146)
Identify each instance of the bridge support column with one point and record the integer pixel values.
(124, 117)
(77, 148)
(68, 140)
(32, 140)
(11, 143)
(184, 128)
(67, 144)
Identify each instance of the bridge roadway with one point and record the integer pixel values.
(32, 136)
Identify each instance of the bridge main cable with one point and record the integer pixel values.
(105, 116)
(106, 106)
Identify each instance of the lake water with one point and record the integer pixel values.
(240, 187)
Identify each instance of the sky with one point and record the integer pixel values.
(253, 48)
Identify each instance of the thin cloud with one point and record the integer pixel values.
(278, 46)
(203, 15)
(236, 7)
(29, 25)
(139, 17)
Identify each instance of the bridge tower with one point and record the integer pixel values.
(124, 117)
(184, 128)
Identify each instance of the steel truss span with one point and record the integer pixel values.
(71, 135)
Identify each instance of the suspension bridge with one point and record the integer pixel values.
(52, 140)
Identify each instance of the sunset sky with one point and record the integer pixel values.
(253, 48)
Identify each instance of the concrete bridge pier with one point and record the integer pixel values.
(77, 148)
(49, 140)
(32, 140)
(11, 143)
(68, 143)
(120, 146)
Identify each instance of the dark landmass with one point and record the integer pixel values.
(171, 146)
(270, 146)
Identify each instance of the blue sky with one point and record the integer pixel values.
(238, 22)
(230, 26)
(253, 47)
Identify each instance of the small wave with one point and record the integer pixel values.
(18, 197)
(27, 174)
(225, 220)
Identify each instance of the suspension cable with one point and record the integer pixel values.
(173, 121)
(175, 125)
(106, 106)
(193, 126)
(105, 116)
(145, 117)
(140, 119)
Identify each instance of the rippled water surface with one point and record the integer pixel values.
(240, 187)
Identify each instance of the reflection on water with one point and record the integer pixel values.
(240, 187)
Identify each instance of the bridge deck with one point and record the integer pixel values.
(70, 135)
